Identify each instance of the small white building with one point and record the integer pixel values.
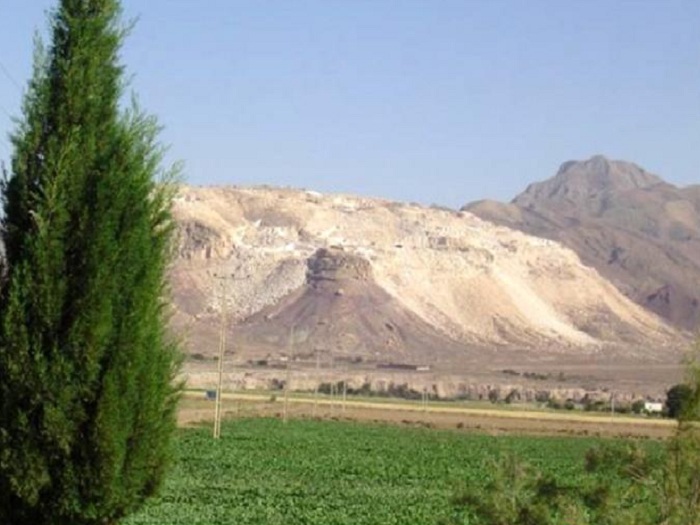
(653, 407)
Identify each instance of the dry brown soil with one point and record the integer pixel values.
(195, 409)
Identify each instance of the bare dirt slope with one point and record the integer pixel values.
(638, 231)
(341, 309)
(393, 281)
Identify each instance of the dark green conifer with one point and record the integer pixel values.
(87, 393)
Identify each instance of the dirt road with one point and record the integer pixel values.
(195, 408)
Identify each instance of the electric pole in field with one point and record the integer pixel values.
(333, 389)
(612, 403)
(318, 367)
(222, 352)
(345, 386)
(288, 374)
(224, 278)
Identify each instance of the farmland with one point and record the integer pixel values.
(467, 416)
(264, 471)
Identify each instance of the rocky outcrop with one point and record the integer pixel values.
(336, 265)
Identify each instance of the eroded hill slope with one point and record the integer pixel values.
(388, 281)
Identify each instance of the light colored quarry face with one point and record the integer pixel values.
(472, 281)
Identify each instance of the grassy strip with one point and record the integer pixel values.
(491, 410)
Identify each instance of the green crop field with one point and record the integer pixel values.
(324, 472)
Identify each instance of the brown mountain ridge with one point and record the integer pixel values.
(638, 231)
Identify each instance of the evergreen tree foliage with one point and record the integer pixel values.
(677, 398)
(87, 391)
(622, 484)
(682, 481)
(618, 485)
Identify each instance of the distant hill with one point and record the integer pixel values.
(638, 231)
(383, 281)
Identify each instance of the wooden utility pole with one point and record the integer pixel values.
(345, 387)
(224, 278)
(288, 374)
(318, 365)
(333, 389)
(222, 352)
(612, 403)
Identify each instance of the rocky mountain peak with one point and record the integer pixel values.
(637, 230)
(586, 184)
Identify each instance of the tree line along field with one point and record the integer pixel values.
(265, 471)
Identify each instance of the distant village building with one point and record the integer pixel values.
(653, 407)
(404, 366)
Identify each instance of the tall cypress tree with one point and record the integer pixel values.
(87, 392)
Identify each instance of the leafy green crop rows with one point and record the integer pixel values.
(309, 472)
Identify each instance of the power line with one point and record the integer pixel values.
(3, 140)
(7, 74)
(3, 109)
(10, 77)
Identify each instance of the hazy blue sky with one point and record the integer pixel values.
(433, 101)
